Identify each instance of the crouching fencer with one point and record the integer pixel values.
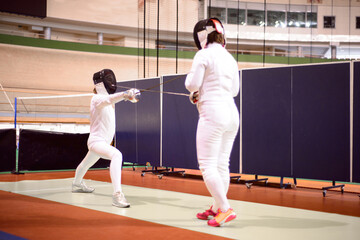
(213, 82)
(102, 130)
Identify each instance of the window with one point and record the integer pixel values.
(296, 19)
(329, 21)
(276, 19)
(218, 12)
(233, 16)
(277, 15)
(357, 22)
(255, 17)
(311, 20)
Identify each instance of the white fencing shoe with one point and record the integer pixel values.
(81, 188)
(119, 200)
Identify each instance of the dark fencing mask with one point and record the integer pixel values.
(107, 77)
(203, 28)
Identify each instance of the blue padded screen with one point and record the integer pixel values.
(266, 119)
(138, 124)
(321, 121)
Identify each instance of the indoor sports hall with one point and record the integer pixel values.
(294, 164)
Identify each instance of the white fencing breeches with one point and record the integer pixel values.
(104, 150)
(216, 131)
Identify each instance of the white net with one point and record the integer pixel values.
(53, 109)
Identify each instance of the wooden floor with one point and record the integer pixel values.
(34, 218)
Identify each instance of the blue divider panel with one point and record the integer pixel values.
(180, 119)
(321, 121)
(266, 119)
(356, 129)
(7, 150)
(125, 135)
(138, 124)
(235, 153)
(43, 150)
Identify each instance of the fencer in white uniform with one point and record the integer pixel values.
(214, 82)
(102, 130)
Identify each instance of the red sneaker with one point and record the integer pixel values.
(222, 217)
(205, 215)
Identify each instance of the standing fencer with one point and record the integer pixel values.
(102, 130)
(213, 82)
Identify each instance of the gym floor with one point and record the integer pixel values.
(41, 206)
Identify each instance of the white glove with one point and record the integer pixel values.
(132, 95)
(194, 97)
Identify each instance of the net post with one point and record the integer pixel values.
(16, 141)
(15, 112)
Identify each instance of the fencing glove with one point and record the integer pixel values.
(194, 97)
(132, 95)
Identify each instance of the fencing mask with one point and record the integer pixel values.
(105, 79)
(203, 28)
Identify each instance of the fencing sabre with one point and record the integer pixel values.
(157, 85)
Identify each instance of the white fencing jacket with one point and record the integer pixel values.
(102, 117)
(214, 73)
